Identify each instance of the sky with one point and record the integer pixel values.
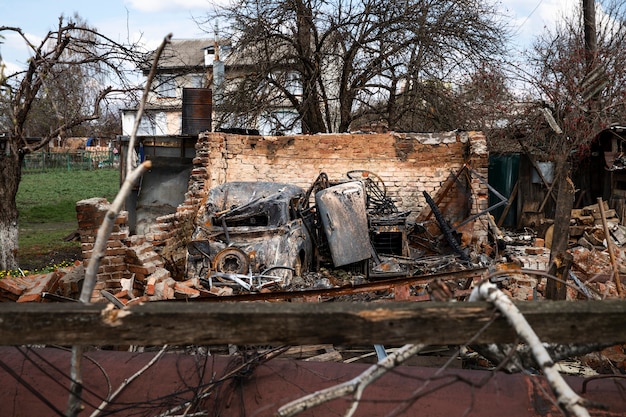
(152, 20)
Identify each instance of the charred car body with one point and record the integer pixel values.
(251, 235)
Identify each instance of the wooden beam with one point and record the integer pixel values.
(390, 323)
(509, 204)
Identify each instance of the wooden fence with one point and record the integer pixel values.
(255, 323)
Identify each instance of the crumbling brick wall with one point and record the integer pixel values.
(129, 263)
(408, 164)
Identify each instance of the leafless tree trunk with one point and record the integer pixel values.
(73, 50)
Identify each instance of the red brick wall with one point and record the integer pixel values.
(126, 257)
(407, 163)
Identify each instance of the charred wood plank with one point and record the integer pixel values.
(445, 228)
(397, 323)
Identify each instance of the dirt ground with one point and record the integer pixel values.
(34, 259)
(46, 244)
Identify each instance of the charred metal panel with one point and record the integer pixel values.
(342, 209)
(197, 110)
(251, 204)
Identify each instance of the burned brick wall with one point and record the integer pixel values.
(408, 164)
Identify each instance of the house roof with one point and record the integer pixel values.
(179, 54)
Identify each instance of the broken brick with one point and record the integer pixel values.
(534, 251)
(10, 286)
(183, 291)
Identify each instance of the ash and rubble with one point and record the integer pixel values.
(375, 242)
(265, 237)
(401, 260)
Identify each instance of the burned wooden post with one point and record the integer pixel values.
(252, 323)
(611, 249)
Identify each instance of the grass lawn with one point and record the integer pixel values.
(47, 207)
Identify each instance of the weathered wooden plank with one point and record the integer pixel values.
(304, 323)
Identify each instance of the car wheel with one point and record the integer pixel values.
(232, 261)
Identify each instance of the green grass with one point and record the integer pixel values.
(47, 206)
(52, 196)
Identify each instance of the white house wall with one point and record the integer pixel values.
(160, 123)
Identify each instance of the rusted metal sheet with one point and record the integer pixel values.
(261, 388)
(342, 209)
(197, 110)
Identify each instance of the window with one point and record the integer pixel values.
(294, 86)
(166, 87)
(153, 124)
(146, 126)
(197, 81)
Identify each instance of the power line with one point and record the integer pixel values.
(528, 17)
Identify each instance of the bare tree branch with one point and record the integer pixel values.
(354, 387)
(130, 178)
(142, 104)
(104, 231)
(566, 397)
(349, 57)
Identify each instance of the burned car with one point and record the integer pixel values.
(251, 235)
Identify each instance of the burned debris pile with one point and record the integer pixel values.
(339, 240)
(256, 237)
(342, 235)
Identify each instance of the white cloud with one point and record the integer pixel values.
(531, 18)
(153, 6)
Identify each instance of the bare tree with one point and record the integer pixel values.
(578, 88)
(67, 83)
(332, 60)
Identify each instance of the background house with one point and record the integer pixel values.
(177, 109)
(191, 79)
(182, 76)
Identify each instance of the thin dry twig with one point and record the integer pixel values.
(208, 389)
(354, 387)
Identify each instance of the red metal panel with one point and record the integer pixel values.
(261, 390)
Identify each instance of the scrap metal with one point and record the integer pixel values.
(400, 287)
